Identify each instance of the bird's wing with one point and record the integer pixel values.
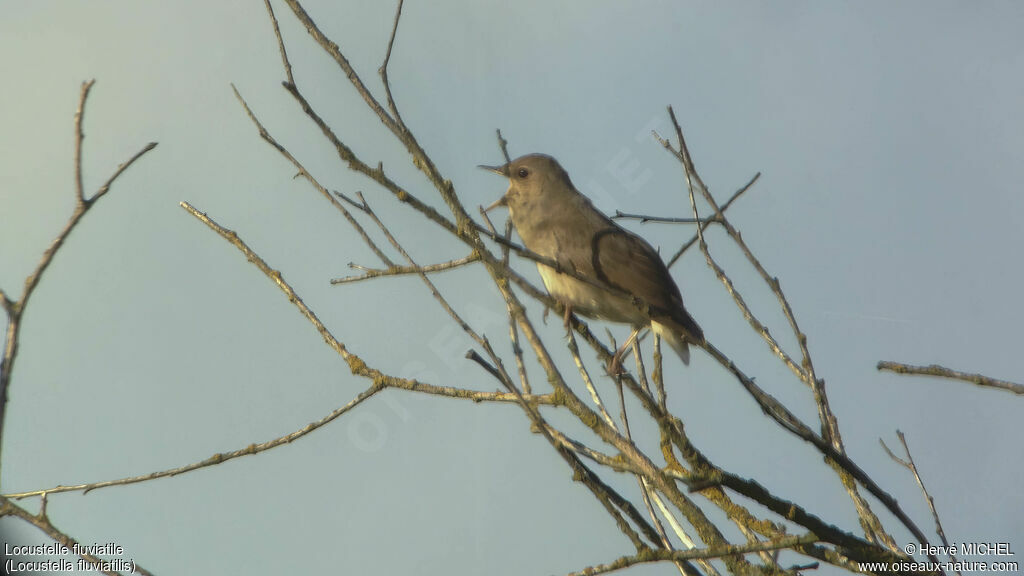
(628, 263)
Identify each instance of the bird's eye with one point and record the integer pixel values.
(523, 173)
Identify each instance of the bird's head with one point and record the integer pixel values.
(533, 179)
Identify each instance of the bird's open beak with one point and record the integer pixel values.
(502, 171)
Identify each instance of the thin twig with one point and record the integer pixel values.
(15, 309)
(582, 449)
(646, 492)
(910, 465)
(720, 273)
(854, 548)
(269, 139)
(943, 372)
(641, 369)
(377, 174)
(408, 385)
(348, 200)
(773, 283)
(513, 329)
(503, 144)
(384, 67)
(613, 503)
(280, 43)
(517, 351)
(478, 338)
(355, 363)
(213, 460)
(585, 376)
(658, 376)
(79, 136)
(805, 372)
(790, 422)
(397, 270)
(686, 245)
(674, 427)
(829, 423)
(475, 356)
(334, 52)
(462, 227)
(644, 219)
(677, 528)
(105, 187)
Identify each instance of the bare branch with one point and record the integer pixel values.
(483, 363)
(612, 501)
(280, 43)
(582, 449)
(644, 219)
(215, 459)
(268, 138)
(503, 144)
(686, 245)
(376, 174)
(829, 425)
(478, 338)
(724, 278)
(513, 330)
(646, 491)
(79, 136)
(684, 155)
(854, 548)
(405, 270)
(356, 364)
(943, 372)
(658, 376)
(16, 309)
(585, 376)
(348, 200)
(384, 67)
(120, 169)
(334, 52)
(910, 465)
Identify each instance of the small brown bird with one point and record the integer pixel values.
(632, 286)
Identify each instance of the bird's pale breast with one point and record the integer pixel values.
(589, 300)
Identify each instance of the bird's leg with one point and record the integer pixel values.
(615, 365)
(566, 320)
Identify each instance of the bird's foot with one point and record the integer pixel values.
(615, 368)
(567, 319)
(615, 364)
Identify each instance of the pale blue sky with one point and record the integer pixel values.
(890, 139)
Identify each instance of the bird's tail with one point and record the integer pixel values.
(675, 339)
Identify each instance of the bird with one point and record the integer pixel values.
(625, 279)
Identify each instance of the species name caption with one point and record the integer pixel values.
(61, 558)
